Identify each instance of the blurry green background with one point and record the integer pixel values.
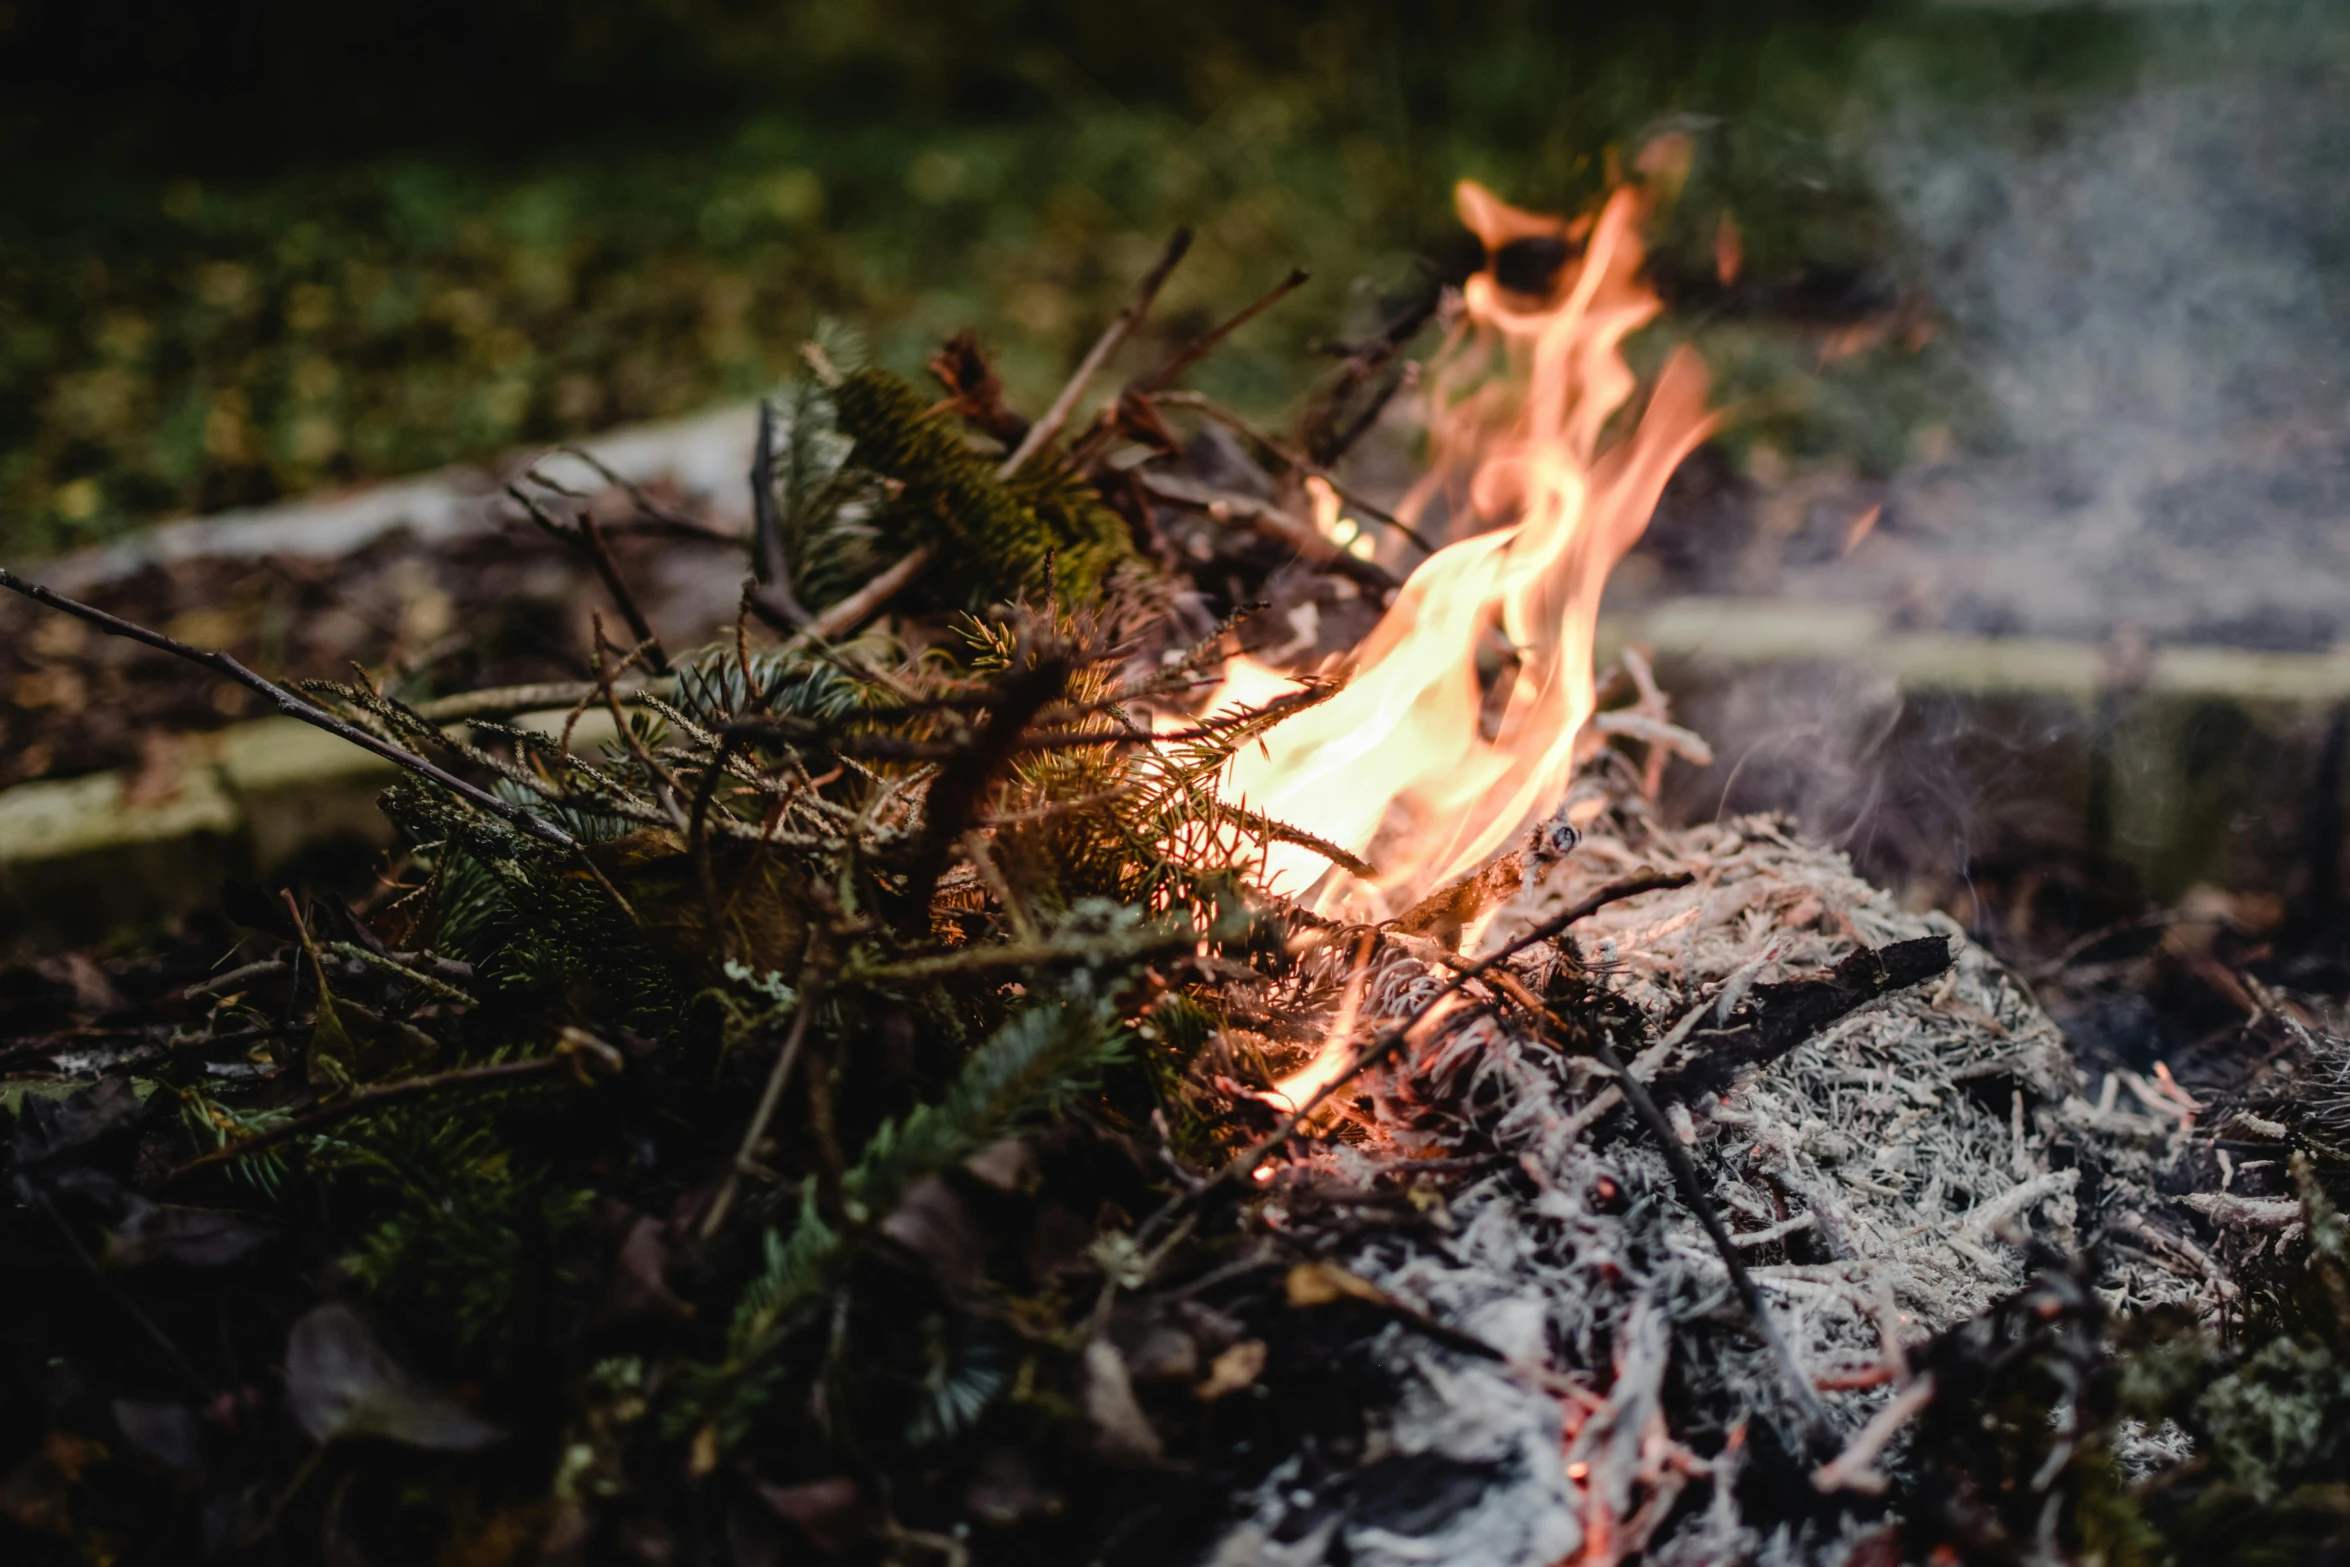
(250, 248)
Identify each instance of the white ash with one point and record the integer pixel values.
(1883, 1177)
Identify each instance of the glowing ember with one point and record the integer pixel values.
(1420, 765)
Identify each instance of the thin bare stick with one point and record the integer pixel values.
(576, 1048)
(891, 748)
(1290, 457)
(769, 1098)
(673, 521)
(1817, 1432)
(665, 784)
(975, 850)
(1269, 522)
(1205, 344)
(1138, 305)
(599, 555)
(697, 836)
(585, 536)
(236, 976)
(837, 619)
(399, 970)
(1855, 1469)
(295, 707)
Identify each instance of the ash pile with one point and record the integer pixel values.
(1890, 1132)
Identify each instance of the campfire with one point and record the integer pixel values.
(1137, 1005)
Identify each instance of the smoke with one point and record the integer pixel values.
(2148, 280)
(2150, 283)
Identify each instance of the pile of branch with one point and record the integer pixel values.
(839, 1120)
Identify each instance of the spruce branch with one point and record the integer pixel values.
(773, 598)
(573, 1054)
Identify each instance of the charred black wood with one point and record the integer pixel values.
(1776, 1018)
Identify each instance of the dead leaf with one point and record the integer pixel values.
(47, 1128)
(937, 1226)
(639, 1284)
(1233, 1371)
(1122, 1432)
(1320, 1283)
(1008, 1166)
(192, 1237)
(831, 1512)
(168, 1433)
(341, 1383)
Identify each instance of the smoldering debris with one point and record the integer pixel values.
(1884, 1180)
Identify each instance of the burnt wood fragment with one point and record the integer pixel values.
(1774, 1019)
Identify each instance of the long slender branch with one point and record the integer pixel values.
(295, 707)
(548, 695)
(1205, 344)
(891, 748)
(837, 619)
(599, 555)
(1138, 305)
(538, 696)
(1807, 1402)
(967, 961)
(769, 1098)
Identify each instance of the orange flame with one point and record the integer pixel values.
(1416, 764)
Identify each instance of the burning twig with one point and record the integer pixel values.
(1242, 1165)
